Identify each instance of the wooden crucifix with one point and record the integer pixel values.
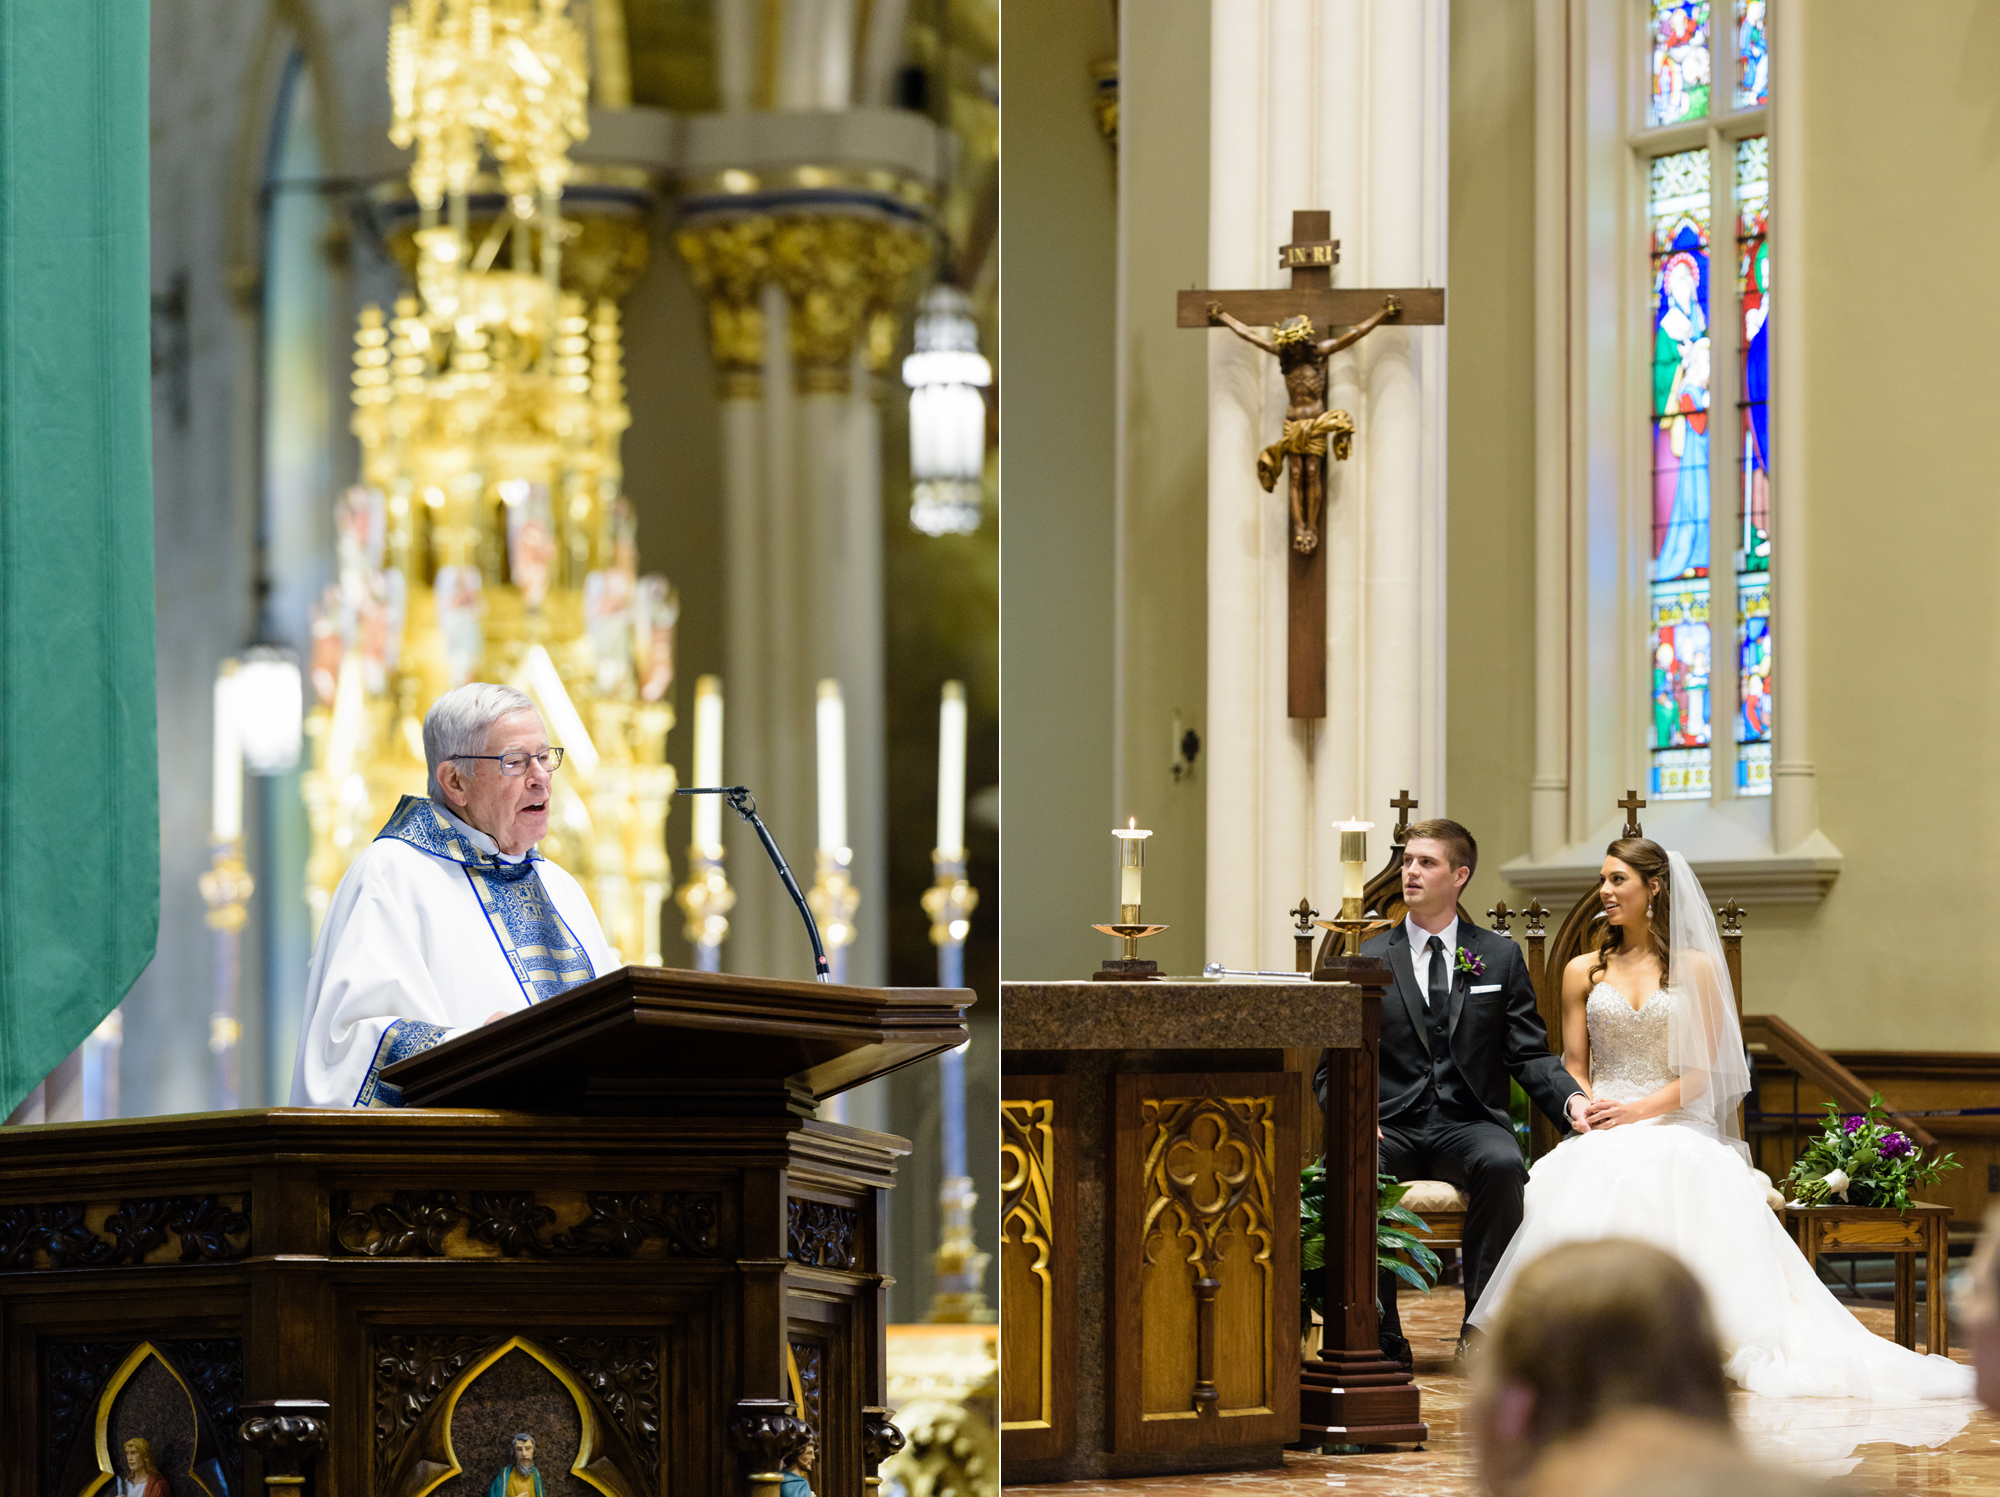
(1632, 805)
(1295, 317)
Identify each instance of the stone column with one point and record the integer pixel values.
(842, 236)
(729, 261)
(1342, 108)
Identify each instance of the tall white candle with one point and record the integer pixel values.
(227, 811)
(1131, 859)
(951, 772)
(832, 717)
(708, 759)
(1353, 857)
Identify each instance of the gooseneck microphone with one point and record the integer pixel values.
(745, 805)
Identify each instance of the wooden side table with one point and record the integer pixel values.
(1875, 1230)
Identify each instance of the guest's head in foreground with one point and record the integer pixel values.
(1439, 856)
(1589, 1330)
(490, 762)
(1636, 888)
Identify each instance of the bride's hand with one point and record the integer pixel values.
(1604, 1113)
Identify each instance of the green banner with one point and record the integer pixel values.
(79, 799)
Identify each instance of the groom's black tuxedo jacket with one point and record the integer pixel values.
(1492, 1031)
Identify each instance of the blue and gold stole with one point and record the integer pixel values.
(545, 954)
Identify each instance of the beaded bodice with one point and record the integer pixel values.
(1628, 1046)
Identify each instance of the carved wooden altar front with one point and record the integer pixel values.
(1149, 1254)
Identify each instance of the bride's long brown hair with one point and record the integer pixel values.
(1648, 859)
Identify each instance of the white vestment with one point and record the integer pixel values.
(408, 958)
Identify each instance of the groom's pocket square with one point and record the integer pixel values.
(1485, 987)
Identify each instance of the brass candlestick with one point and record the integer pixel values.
(835, 902)
(706, 900)
(1129, 928)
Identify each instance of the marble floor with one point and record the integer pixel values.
(1870, 1448)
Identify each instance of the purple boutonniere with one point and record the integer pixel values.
(1469, 964)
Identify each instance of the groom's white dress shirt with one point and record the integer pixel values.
(1420, 953)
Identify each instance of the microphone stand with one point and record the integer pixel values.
(745, 806)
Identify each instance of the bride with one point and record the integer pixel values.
(1649, 1023)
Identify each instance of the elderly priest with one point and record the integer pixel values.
(450, 919)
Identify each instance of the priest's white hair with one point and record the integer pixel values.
(460, 720)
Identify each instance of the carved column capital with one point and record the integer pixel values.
(768, 1433)
(880, 1438)
(289, 1434)
(729, 261)
(821, 259)
(898, 254)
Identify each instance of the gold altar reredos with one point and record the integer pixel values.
(488, 539)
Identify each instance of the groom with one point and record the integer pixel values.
(1458, 1020)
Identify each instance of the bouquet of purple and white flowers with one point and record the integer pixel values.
(1861, 1161)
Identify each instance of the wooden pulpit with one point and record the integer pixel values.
(609, 1222)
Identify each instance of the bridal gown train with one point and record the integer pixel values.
(1672, 1182)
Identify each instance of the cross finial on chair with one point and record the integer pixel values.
(1404, 804)
(1632, 805)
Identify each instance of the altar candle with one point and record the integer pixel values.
(227, 810)
(1131, 859)
(708, 759)
(951, 773)
(1353, 857)
(832, 715)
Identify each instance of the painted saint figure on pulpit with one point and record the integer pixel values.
(142, 1477)
(520, 1477)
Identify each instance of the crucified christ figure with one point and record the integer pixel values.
(1308, 423)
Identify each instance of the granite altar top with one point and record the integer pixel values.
(1179, 1015)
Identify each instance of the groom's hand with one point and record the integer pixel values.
(1578, 1109)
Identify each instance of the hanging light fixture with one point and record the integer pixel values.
(270, 709)
(947, 415)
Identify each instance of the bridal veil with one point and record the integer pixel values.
(1704, 1039)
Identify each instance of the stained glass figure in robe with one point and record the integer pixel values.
(1753, 54)
(1680, 253)
(1680, 62)
(1679, 419)
(1681, 655)
(1753, 551)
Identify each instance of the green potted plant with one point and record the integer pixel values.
(1397, 1248)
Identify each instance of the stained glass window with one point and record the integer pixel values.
(1680, 62)
(1679, 420)
(1753, 547)
(1753, 55)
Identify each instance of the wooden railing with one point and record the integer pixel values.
(1816, 1068)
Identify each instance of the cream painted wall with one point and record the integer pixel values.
(1163, 459)
(1490, 538)
(1057, 327)
(1902, 194)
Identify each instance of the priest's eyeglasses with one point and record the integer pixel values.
(516, 764)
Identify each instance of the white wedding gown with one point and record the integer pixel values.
(1672, 1182)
